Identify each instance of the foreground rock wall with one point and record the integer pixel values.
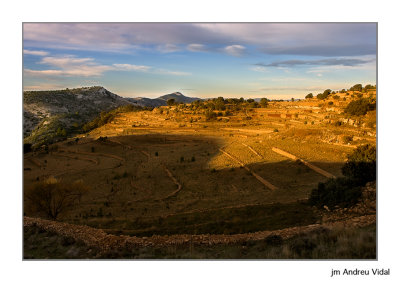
(104, 242)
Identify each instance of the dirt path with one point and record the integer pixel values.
(258, 177)
(95, 161)
(309, 165)
(97, 238)
(173, 180)
(94, 154)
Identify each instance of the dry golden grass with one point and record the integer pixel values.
(131, 170)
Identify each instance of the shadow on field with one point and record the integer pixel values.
(132, 197)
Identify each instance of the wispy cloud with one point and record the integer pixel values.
(235, 50)
(169, 72)
(195, 47)
(313, 39)
(130, 67)
(321, 62)
(168, 48)
(71, 66)
(35, 52)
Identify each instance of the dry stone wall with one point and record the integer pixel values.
(104, 242)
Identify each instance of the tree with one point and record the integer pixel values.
(171, 102)
(356, 87)
(325, 94)
(343, 192)
(51, 197)
(210, 115)
(359, 107)
(264, 102)
(361, 164)
(310, 95)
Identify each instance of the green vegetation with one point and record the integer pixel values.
(356, 87)
(345, 192)
(310, 95)
(325, 94)
(171, 102)
(360, 107)
(361, 164)
(106, 117)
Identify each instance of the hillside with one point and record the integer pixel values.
(220, 167)
(50, 116)
(162, 100)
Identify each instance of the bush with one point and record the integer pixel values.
(310, 95)
(359, 107)
(358, 170)
(343, 192)
(210, 115)
(51, 197)
(361, 164)
(356, 87)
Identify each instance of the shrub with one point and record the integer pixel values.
(358, 170)
(52, 197)
(361, 164)
(310, 95)
(264, 102)
(359, 107)
(343, 192)
(330, 103)
(356, 87)
(210, 115)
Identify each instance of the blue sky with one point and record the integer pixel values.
(203, 60)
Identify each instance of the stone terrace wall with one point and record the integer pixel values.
(98, 239)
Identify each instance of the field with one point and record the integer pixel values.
(170, 171)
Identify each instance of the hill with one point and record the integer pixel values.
(49, 115)
(179, 98)
(162, 100)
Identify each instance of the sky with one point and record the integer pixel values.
(250, 60)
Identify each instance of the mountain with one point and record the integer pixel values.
(162, 100)
(179, 98)
(52, 115)
(49, 115)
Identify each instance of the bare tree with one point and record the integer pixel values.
(51, 197)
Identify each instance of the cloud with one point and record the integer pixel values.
(314, 39)
(235, 50)
(168, 48)
(130, 67)
(35, 52)
(195, 47)
(260, 69)
(169, 72)
(71, 66)
(322, 62)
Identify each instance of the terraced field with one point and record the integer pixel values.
(177, 174)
